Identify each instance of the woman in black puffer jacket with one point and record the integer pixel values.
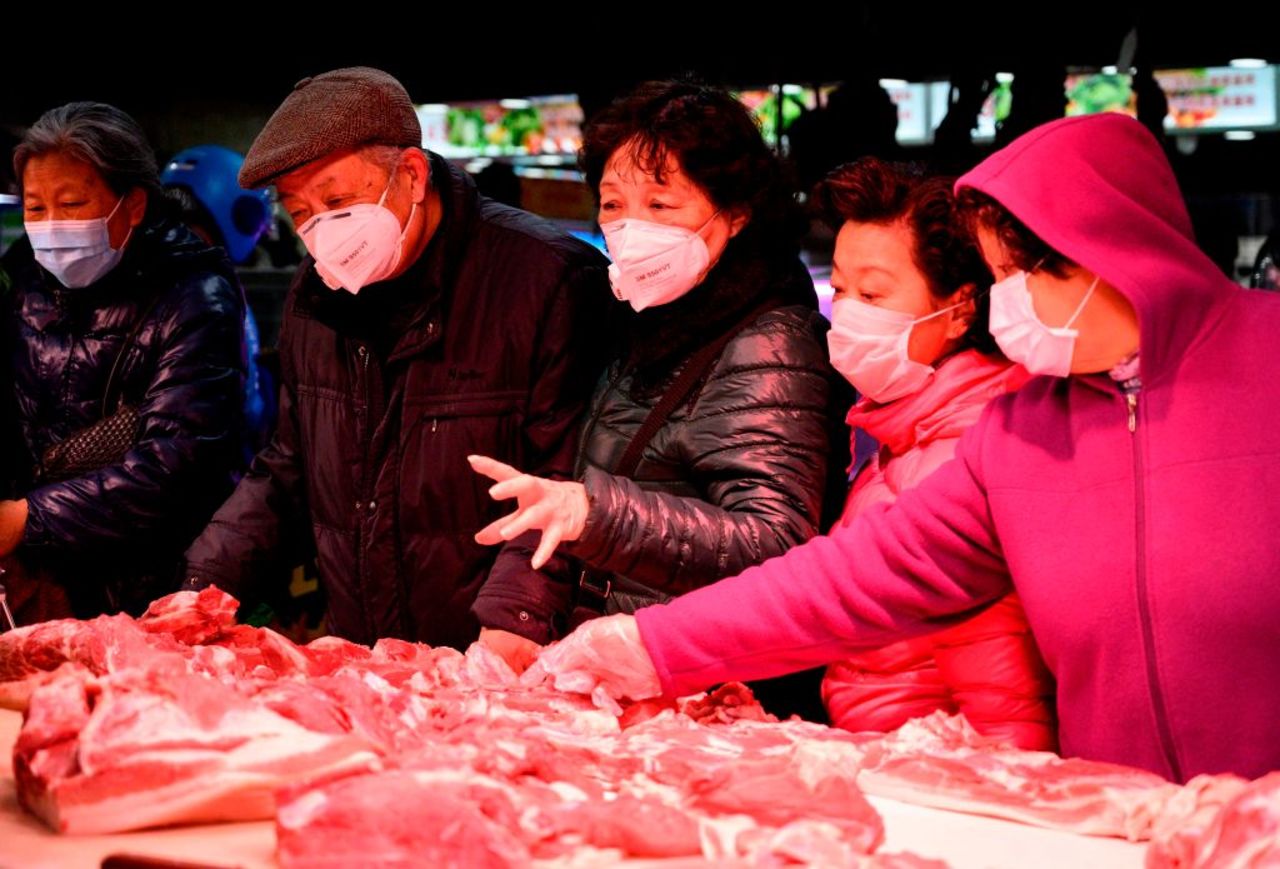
(703, 232)
(106, 281)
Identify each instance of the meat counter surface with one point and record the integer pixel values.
(184, 718)
(961, 840)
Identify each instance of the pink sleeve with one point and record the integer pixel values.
(869, 488)
(920, 564)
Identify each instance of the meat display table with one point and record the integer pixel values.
(963, 841)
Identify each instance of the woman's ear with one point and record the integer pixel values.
(135, 206)
(961, 316)
(738, 219)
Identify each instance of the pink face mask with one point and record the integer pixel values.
(1023, 336)
(654, 263)
(357, 245)
(76, 252)
(868, 345)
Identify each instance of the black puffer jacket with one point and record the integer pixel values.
(750, 466)
(114, 537)
(487, 344)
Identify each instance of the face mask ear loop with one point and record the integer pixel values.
(385, 190)
(394, 169)
(1031, 271)
(400, 244)
(119, 202)
(413, 207)
(1093, 286)
(709, 219)
(128, 235)
(939, 312)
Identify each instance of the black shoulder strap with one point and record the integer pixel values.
(680, 389)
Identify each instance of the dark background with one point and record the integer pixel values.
(194, 74)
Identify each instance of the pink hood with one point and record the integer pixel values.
(1130, 227)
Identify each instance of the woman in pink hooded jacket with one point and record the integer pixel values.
(909, 331)
(1129, 495)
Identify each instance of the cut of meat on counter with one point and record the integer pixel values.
(184, 717)
(200, 628)
(435, 815)
(30, 654)
(942, 762)
(145, 748)
(1232, 823)
(243, 721)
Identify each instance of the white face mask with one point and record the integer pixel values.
(1023, 337)
(654, 263)
(868, 345)
(357, 245)
(76, 252)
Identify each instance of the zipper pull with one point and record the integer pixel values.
(1131, 399)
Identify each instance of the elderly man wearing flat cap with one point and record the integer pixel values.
(428, 323)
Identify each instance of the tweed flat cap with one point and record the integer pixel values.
(334, 111)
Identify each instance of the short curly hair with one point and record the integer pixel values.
(715, 141)
(875, 191)
(1027, 250)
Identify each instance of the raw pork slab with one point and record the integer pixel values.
(1242, 827)
(161, 747)
(108, 644)
(942, 762)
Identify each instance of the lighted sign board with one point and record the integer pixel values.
(514, 127)
(1219, 98)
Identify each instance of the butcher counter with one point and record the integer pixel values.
(963, 841)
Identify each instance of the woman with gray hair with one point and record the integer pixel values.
(121, 362)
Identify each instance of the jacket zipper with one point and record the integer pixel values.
(64, 389)
(363, 352)
(590, 428)
(1144, 603)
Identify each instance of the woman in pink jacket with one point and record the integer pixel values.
(909, 331)
(1129, 494)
